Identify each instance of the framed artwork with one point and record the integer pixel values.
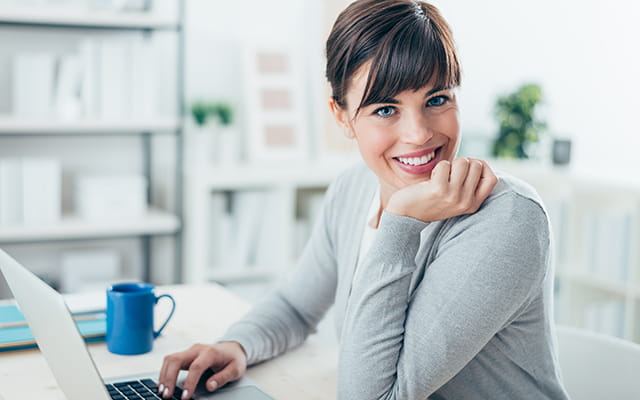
(275, 94)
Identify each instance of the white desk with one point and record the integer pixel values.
(202, 314)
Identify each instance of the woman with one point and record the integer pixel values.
(439, 271)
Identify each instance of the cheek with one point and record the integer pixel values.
(373, 141)
(448, 124)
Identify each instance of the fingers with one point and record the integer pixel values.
(488, 181)
(171, 366)
(206, 358)
(473, 177)
(459, 171)
(231, 372)
(441, 172)
(472, 180)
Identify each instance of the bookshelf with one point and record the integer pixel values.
(155, 131)
(71, 227)
(292, 195)
(595, 226)
(15, 126)
(77, 18)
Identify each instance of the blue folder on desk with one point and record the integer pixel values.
(16, 335)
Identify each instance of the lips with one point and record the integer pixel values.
(420, 162)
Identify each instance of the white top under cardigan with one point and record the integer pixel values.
(452, 309)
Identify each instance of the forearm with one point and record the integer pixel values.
(285, 318)
(269, 329)
(406, 339)
(373, 331)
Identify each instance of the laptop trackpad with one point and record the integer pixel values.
(237, 393)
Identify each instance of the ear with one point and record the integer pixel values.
(342, 118)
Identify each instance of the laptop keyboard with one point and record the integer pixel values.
(143, 389)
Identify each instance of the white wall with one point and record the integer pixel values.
(216, 36)
(583, 53)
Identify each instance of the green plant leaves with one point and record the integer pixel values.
(518, 125)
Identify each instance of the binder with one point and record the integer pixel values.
(16, 335)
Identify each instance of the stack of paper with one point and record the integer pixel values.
(30, 191)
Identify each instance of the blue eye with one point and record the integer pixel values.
(385, 112)
(437, 101)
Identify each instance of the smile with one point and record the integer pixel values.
(417, 160)
(420, 162)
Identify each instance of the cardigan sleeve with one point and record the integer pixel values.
(287, 315)
(401, 345)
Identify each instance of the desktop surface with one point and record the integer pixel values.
(203, 313)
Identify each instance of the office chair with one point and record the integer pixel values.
(596, 366)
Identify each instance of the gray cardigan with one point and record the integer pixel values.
(453, 309)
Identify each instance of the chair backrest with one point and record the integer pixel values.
(596, 366)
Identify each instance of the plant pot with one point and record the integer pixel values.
(226, 151)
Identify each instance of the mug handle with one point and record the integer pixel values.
(173, 308)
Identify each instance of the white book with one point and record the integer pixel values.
(41, 191)
(67, 98)
(612, 317)
(217, 245)
(10, 191)
(225, 233)
(90, 70)
(115, 99)
(33, 84)
(143, 79)
(269, 242)
(248, 212)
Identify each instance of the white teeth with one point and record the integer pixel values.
(417, 160)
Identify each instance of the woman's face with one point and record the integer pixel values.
(403, 138)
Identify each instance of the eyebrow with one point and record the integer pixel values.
(429, 93)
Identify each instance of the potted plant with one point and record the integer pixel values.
(217, 143)
(519, 125)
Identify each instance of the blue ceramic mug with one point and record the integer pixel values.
(130, 317)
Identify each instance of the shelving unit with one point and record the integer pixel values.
(156, 222)
(71, 227)
(571, 201)
(69, 18)
(19, 127)
(287, 185)
(596, 226)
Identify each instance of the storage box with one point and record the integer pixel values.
(89, 270)
(108, 197)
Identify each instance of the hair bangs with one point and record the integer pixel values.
(412, 56)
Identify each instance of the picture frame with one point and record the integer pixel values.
(275, 95)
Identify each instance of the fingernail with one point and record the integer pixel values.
(185, 395)
(160, 388)
(213, 385)
(165, 393)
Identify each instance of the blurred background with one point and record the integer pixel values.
(190, 141)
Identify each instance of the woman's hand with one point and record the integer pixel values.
(455, 188)
(227, 359)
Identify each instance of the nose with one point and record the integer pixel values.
(415, 129)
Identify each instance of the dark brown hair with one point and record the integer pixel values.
(408, 43)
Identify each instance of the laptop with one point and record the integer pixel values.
(66, 353)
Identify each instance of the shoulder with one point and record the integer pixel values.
(356, 174)
(513, 213)
(511, 229)
(354, 180)
(516, 200)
